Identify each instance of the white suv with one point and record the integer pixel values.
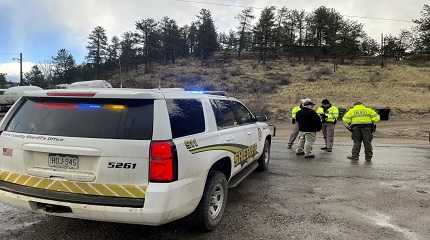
(129, 155)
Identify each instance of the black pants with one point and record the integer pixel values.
(362, 135)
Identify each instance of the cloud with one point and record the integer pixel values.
(12, 69)
(74, 20)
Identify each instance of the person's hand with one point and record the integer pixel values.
(293, 121)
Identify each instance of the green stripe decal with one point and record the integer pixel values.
(233, 148)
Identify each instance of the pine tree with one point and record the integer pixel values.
(206, 35)
(128, 51)
(113, 52)
(3, 81)
(264, 33)
(64, 66)
(193, 39)
(300, 17)
(423, 29)
(245, 18)
(35, 77)
(97, 48)
(170, 39)
(147, 37)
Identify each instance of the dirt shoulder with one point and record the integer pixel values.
(415, 132)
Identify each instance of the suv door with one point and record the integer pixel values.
(232, 133)
(248, 122)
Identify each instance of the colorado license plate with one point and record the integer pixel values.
(63, 161)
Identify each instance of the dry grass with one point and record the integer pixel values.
(276, 87)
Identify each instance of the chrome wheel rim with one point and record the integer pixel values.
(216, 201)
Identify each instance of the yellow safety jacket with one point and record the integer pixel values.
(360, 114)
(331, 114)
(294, 112)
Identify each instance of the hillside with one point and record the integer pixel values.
(275, 88)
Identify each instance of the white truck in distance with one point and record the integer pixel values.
(128, 155)
(10, 95)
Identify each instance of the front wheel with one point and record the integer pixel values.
(263, 161)
(211, 208)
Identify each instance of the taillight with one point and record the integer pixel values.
(163, 162)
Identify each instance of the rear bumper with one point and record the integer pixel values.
(71, 197)
(163, 203)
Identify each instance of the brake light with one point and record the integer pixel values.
(163, 162)
(70, 94)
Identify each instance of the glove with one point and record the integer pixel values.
(293, 121)
(373, 128)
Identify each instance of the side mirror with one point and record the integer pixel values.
(261, 118)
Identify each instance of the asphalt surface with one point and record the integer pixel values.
(325, 198)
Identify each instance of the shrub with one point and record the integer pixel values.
(324, 71)
(375, 77)
(237, 71)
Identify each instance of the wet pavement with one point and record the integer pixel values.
(325, 198)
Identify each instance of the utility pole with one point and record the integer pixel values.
(21, 82)
(20, 70)
(382, 50)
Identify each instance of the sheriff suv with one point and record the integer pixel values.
(129, 155)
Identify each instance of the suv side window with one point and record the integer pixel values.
(224, 115)
(243, 116)
(186, 117)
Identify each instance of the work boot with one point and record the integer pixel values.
(300, 153)
(324, 148)
(310, 156)
(368, 159)
(352, 158)
(289, 146)
(329, 150)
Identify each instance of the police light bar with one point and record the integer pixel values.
(218, 93)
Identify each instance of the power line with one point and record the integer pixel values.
(381, 19)
(243, 6)
(218, 4)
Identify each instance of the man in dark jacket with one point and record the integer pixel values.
(309, 124)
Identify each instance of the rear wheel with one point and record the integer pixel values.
(211, 208)
(263, 161)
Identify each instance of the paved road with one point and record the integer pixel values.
(326, 198)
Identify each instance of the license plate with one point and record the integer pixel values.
(63, 161)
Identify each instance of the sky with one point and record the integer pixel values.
(38, 28)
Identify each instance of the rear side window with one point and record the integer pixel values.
(86, 118)
(186, 117)
(224, 115)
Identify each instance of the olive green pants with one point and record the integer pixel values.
(294, 134)
(362, 135)
(328, 132)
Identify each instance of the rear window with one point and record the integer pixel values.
(86, 118)
(186, 117)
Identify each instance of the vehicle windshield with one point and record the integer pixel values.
(86, 118)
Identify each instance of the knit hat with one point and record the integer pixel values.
(325, 102)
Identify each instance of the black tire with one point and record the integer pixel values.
(204, 216)
(264, 160)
